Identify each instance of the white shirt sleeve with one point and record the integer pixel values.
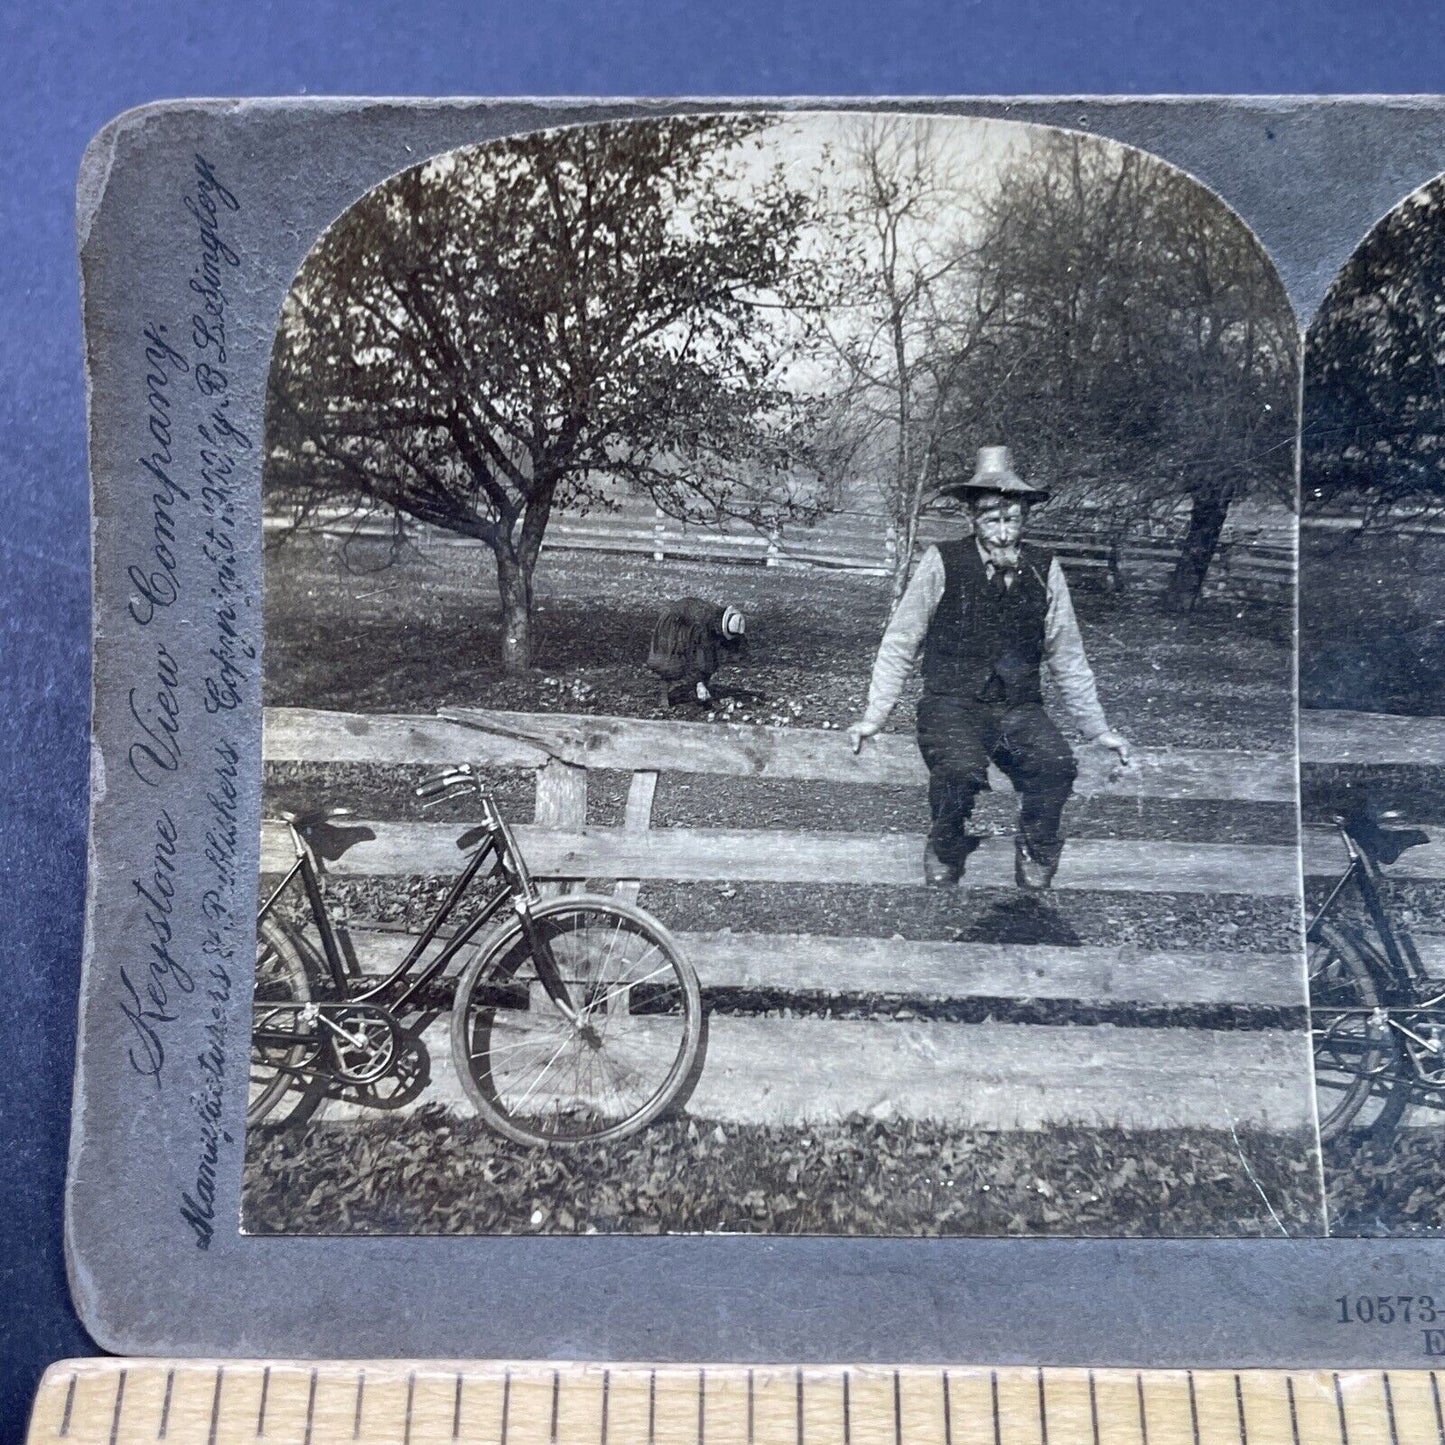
(902, 643)
(1069, 667)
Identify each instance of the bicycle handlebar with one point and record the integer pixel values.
(439, 784)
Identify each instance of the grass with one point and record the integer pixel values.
(434, 1174)
(1371, 635)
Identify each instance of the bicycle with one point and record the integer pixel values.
(1377, 1020)
(579, 1019)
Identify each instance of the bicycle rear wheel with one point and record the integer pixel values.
(280, 983)
(626, 1055)
(1359, 1069)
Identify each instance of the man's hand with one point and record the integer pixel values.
(859, 731)
(1115, 743)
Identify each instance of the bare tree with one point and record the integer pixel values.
(513, 327)
(900, 349)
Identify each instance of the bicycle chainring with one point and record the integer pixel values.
(365, 1041)
(1422, 1032)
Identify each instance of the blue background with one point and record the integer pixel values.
(68, 68)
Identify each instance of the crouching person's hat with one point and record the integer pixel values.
(734, 624)
(994, 475)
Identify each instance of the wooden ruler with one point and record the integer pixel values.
(397, 1402)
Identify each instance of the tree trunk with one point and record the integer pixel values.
(514, 582)
(1206, 522)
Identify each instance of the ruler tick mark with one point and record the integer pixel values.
(311, 1407)
(847, 1413)
(701, 1403)
(1093, 1408)
(1340, 1408)
(216, 1405)
(1294, 1412)
(166, 1406)
(1439, 1417)
(410, 1401)
(1193, 1406)
(606, 1391)
(651, 1406)
(947, 1413)
(1143, 1413)
(360, 1395)
(119, 1402)
(1390, 1408)
(750, 1410)
(457, 1410)
(993, 1390)
(506, 1403)
(1043, 1413)
(556, 1402)
(898, 1410)
(261, 1408)
(70, 1405)
(1239, 1408)
(799, 1389)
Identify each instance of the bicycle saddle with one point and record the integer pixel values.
(1385, 844)
(327, 840)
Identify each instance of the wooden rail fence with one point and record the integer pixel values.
(780, 1068)
(1247, 562)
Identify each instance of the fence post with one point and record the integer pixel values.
(775, 546)
(637, 819)
(659, 526)
(562, 804)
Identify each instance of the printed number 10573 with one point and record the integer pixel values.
(1387, 1309)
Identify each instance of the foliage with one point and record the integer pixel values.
(1139, 350)
(1098, 311)
(1374, 421)
(436, 1174)
(1386, 1186)
(508, 328)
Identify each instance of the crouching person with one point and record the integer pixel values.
(983, 614)
(691, 640)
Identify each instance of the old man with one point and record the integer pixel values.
(983, 614)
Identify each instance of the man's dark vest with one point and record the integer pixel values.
(981, 645)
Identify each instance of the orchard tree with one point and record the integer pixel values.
(513, 327)
(1374, 422)
(1140, 352)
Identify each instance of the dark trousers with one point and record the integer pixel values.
(959, 737)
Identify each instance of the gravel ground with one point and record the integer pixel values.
(433, 1174)
(424, 632)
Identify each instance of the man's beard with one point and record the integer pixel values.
(1004, 554)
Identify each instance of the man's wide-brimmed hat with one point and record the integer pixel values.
(995, 474)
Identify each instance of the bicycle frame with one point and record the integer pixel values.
(497, 844)
(1401, 960)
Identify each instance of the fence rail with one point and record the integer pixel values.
(900, 1058)
(1247, 560)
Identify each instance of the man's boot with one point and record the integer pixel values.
(1031, 875)
(937, 873)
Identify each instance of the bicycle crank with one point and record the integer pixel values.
(365, 1040)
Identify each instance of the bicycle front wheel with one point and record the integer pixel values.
(280, 984)
(1357, 1057)
(601, 1067)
